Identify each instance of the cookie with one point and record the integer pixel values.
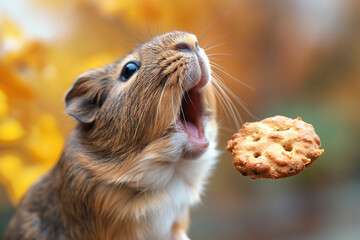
(275, 147)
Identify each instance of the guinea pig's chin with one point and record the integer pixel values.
(196, 142)
(191, 153)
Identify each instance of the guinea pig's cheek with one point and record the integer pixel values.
(206, 66)
(193, 74)
(120, 87)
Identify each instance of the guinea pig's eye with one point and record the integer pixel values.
(128, 70)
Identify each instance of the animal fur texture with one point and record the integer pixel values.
(128, 170)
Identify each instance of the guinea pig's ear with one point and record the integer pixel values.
(86, 96)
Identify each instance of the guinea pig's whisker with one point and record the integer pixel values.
(148, 28)
(227, 109)
(222, 102)
(159, 104)
(237, 99)
(207, 29)
(227, 101)
(113, 21)
(217, 65)
(189, 77)
(213, 58)
(224, 129)
(173, 110)
(183, 115)
(241, 102)
(232, 94)
(224, 98)
(218, 54)
(217, 45)
(220, 36)
(187, 95)
(184, 94)
(224, 87)
(223, 72)
(217, 19)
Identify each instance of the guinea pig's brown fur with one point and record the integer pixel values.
(140, 154)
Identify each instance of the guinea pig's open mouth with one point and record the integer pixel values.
(190, 119)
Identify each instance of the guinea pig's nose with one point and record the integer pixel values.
(183, 47)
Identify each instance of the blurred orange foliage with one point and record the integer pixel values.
(271, 52)
(35, 74)
(31, 140)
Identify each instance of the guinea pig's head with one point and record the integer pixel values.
(158, 93)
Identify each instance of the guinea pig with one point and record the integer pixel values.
(140, 154)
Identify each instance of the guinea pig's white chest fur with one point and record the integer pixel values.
(184, 189)
(179, 197)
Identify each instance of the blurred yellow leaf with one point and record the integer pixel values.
(45, 141)
(9, 165)
(10, 130)
(10, 29)
(11, 38)
(12, 85)
(3, 104)
(16, 176)
(31, 56)
(97, 61)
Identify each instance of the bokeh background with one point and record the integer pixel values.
(298, 58)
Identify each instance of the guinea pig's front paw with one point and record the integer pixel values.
(180, 236)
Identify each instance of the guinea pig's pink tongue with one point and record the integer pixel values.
(196, 137)
(192, 129)
(191, 119)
